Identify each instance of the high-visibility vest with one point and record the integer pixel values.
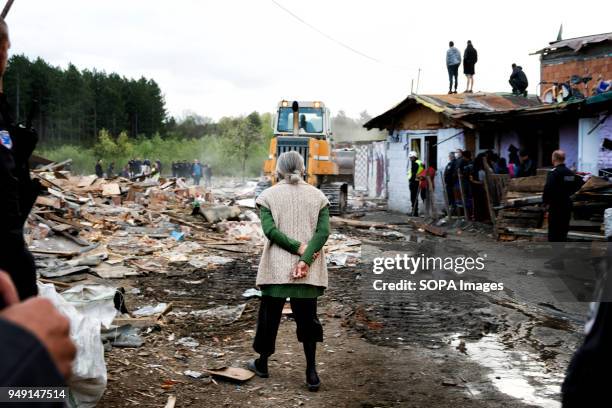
(419, 170)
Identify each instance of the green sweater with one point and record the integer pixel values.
(277, 237)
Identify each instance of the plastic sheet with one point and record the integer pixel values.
(87, 308)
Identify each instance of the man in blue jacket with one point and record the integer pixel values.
(453, 60)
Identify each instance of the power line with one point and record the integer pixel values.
(329, 37)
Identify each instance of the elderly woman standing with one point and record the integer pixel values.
(295, 219)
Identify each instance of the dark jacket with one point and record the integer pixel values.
(561, 183)
(19, 193)
(519, 77)
(99, 171)
(470, 55)
(526, 169)
(450, 172)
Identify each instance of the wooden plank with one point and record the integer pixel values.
(67, 254)
(49, 201)
(110, 189)
(463, 203)
(361, 224)
(490, 204)
(86, 181)
(533, 184)
(523, 202)
(437, 231)
(572, 235)
(53, 166)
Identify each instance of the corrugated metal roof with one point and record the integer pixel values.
(472, 102)
(455, 106)
(576, 43)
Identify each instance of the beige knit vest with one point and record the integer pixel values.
(295, 209)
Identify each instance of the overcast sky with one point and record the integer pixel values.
(230, 57)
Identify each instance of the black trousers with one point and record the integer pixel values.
(414, 197)
(518, 87)
(309, 329)
(558, 224)
(453, 73)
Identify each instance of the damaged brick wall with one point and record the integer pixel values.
(561, 71)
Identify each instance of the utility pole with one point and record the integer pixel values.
(6, 9)
(418, 81)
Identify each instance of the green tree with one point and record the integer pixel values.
(244, 137)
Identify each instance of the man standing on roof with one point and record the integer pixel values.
(518, 81)
(453, 60)
(415, 167)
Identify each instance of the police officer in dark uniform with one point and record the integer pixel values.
(18, 191)
(561, 183)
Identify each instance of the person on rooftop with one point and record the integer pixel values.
(518, 81)
(453, 60)
(470, 57)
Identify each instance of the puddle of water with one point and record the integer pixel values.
(516, 373)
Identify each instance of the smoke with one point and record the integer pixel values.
(350, 130)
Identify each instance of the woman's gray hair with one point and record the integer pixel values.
(290, 166)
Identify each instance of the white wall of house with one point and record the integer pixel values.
(588, 146)
(397, 183)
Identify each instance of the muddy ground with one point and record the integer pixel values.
(472, 349)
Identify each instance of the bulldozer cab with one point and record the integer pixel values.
(305, 127)
(311, 119)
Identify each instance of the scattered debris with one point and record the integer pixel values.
(150, 310)
(232, 373)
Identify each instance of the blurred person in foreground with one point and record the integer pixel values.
(19, 192)
(588, 375)
(35, 347)
(295, 219)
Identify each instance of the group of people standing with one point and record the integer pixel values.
(137, 167)
(464, 177)
(134, 168)
(195, 170)
(518, 79)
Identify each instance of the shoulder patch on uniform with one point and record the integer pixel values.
(5, 139)
(569, 178)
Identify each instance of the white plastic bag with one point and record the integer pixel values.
(608, 222)
(87, 308)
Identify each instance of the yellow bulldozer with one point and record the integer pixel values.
(306, 128)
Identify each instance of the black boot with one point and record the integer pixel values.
(312, 379)
(259, 366)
